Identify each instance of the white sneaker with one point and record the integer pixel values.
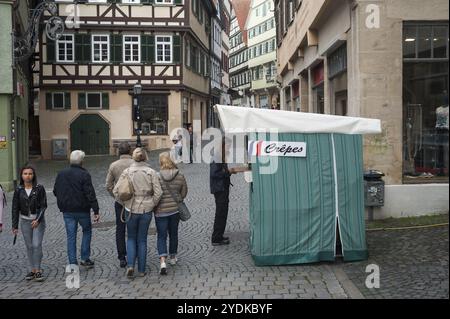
(163, 269)
(173, 261)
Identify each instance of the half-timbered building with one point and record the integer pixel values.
(86, 77)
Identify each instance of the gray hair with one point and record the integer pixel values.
(77, 157)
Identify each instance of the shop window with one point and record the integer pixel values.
(154, 109)
(425, 41)
(264, 101)
(337, 61)
(425, 103)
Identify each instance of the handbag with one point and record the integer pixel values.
(183, 210)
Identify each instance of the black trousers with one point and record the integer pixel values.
(120, 233)
(220, 220)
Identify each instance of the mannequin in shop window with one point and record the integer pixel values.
(442, 137)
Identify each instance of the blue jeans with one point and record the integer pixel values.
(72, 220)
(137, 229)
(33, 241)
(164, 226)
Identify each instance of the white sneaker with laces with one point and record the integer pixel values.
(173, 261)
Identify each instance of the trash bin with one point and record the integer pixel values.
(373, 188)
(316, 192)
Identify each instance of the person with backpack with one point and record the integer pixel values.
(76, 197)
(175, 189)
(139, 189)
(2, 206)
(115, 170)
(29, 204)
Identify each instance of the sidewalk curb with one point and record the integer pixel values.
(352, 291)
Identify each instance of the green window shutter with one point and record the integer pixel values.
(178, 2)
(105, 101)
(67, 100)
(148, 48)
(50, 51)
(151, 49)
(116, 48)
(177, 47)
(82, 100)
(83, 48)
(48, 101)
(147, 1)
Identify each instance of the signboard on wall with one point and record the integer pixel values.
(3, 143)
(59, 149)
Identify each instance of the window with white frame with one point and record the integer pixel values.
(93, 100)
(96, 1)
(64, 48)
(164, 1)
(163, 49)
(131, 1)
(100, 48)
(131, 48)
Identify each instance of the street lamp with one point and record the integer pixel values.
(137, 91)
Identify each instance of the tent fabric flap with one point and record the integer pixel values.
(243, 119)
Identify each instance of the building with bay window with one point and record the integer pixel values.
(240, 76)
(384, 59)
(260, 28)
(219, 58)
(85, 78)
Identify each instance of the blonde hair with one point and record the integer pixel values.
(140, 155)
(165, 162)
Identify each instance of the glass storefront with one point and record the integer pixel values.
(425, 102)
(154, 109)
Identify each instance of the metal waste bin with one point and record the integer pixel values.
(373, 190)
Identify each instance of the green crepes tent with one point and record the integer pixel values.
(298, 203)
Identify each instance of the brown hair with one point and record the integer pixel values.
(34, 180)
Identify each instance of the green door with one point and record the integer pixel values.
(90, 133)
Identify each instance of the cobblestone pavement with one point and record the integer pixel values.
(205, 271)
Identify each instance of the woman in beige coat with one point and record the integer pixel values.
(166, 213)
(138, 210)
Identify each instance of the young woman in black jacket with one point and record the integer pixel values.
(29, 205)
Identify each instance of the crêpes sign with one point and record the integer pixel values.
(276, 148)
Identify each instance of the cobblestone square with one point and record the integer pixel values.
(413, 263)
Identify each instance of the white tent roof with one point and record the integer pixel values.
(243, 119)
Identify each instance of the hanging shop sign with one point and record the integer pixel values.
(276, 148)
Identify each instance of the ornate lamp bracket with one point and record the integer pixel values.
(24, 45)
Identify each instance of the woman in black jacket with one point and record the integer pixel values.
(29, 205)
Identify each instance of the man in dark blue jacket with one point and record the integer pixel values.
(75, 196)
(219, 180)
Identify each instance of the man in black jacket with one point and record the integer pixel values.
(219, 180)
(75, 196)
